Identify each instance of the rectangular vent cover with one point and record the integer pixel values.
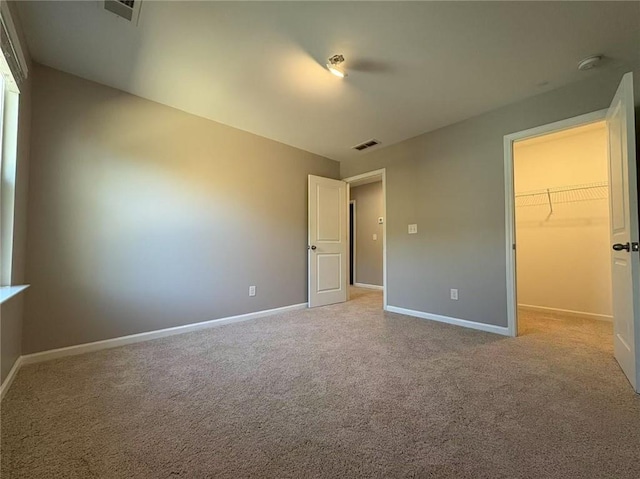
(366, 145)
(127, 9)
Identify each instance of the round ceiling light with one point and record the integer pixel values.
(589, 63)
(333, 64)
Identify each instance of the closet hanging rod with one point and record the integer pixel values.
(560, 189)
(564, 194)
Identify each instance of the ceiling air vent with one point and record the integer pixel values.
(366, 145)
(127, 9)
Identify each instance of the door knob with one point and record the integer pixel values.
(311, 247)
(620, 246)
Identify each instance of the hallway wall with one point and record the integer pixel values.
(369, 251)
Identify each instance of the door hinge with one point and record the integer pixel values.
(513, 246)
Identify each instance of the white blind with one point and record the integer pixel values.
(13, 59)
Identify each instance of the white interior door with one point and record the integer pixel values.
(328, 279)
(624, 230)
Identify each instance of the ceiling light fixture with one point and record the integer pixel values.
(589, 63)
(334, 66)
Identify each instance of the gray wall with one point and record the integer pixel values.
(11, 312)
(451, 183)
(369, 207)
(143, 217)
(11, 333)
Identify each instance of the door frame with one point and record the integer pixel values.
(352, 260)
(371, 177)
(509, 200)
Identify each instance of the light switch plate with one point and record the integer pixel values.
(454, 294)
(413, 229)
(375, 237)
(252, 290)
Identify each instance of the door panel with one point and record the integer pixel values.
(625, 264)
(616, 174)
(329, 226)
(327, 241)
(329, 272)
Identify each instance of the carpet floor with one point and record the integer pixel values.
(341, 391)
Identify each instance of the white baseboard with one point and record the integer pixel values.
(10, 377)
(368, 286)
(544, 309)
(161, 333)
(490, 328)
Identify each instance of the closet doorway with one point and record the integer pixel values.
(621, 192)
(563, 259)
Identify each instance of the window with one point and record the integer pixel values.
(12, 72)
(8, 139)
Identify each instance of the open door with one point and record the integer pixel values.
(328, 278)
(625, 263)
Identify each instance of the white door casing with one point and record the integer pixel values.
(510, 230)
(328, 245)
(625, 263)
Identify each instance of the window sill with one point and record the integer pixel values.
(8, 292)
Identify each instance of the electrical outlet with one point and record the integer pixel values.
(454, 294)
(413, 229)
(252, 290)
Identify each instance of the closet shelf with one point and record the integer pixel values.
(565, 194)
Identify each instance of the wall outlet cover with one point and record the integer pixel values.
(413, 229)
(454, 294)
(252, 290)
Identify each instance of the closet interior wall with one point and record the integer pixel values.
(562, 221)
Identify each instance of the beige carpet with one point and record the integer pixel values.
(342, 391)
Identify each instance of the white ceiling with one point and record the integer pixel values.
(413, 67)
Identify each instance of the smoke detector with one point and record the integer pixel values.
(589, 63)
